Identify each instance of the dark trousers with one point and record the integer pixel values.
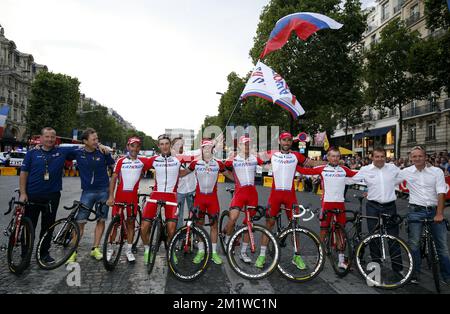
(375, 209)
(48, 214)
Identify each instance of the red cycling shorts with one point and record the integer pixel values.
(278, 198)
(207, 204)
(340, 218)
(125, 197)
(245, 196)
(170, 210)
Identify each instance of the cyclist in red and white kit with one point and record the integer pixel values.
(167, 172)
(127, 171)
(243, 167)
(207, 172)
(333, 186)
(284, 164)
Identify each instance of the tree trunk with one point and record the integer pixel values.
(400, 131)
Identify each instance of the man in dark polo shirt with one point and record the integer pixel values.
(41, 182)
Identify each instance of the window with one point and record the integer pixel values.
(414, 10)
(412, 133)
(390, 139)
(431, 130)
(385, 11)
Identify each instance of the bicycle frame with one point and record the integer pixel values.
(293, 222)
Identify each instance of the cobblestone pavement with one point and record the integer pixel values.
(132, 278)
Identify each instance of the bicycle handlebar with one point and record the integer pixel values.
(161, 202)
(23, 204)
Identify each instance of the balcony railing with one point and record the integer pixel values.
(417, 111)
(397, 8)
(412, 19)
(430, 138)
(385, 17)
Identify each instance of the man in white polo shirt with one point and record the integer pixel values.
(427, 190)
(381, 179)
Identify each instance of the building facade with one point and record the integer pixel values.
(17, 71)
(425, 122)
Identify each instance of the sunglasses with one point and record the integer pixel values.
(163, 137)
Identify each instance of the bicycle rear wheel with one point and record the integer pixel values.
(223, 221)
(183, 248)
(59, 241)
(434, 262)
(155, 242)
(113, 243)
(337, 243)
(384, 261)
(20, 247)
(248, 270)
(309, 249)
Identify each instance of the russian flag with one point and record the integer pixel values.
(3, 115)
(303, 23)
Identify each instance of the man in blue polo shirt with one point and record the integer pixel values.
(93, 167)
(41, 182)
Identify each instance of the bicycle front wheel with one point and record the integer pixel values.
(20, 247)
(59, 241)
(223, 221)
(434, 263)
(239, 243)
(302, 254)
(184, 247)
(113, 243)
(155, 241)
(384, 261)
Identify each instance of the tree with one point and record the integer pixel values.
(53, 102)
(322, 72)
(391, 82)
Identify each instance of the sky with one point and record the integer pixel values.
(158, 63)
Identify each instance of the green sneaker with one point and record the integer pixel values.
(298, 261)
(260, 261)
(95, 253)
(175, 259)
(216, 258)
(199, 257)
(146, 257)
(72, 258)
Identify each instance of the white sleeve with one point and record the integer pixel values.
(357, 178)
(441, 185)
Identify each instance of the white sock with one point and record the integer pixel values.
(146, 248)
(201, 247)
(244, 247)
(227, 238)
(341, 258)
(129, 246)
(214, 247)
(263, 250)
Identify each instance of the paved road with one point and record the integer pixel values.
(134, 279)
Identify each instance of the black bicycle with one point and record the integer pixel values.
(302, 253)
(383, 260)
(20, 233)
(158, 232)
(61, 239)
(184, 246)
(428, 249)
(117, 233)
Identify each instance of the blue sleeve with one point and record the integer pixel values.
(69, 152)
(26, 164)
(109, 159)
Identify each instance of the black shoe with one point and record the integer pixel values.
(47, 259)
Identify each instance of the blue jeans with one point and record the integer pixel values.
(182, 198)
(89, 198)
(439, 232)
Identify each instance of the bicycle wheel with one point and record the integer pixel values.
(20, 247)
(310, 250)
(137, 231)
(113, 243)
(337, 243)
(384, 261)
(184, 247)
(59, 241)
(223, 221)
(155, 241)
(248, 270)
(434, 262)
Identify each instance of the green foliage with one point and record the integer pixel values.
(53, 102)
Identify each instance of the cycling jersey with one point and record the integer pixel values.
(284, 168)
(129, 173)
(167, 171)
(244, 171)
(333, 187)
